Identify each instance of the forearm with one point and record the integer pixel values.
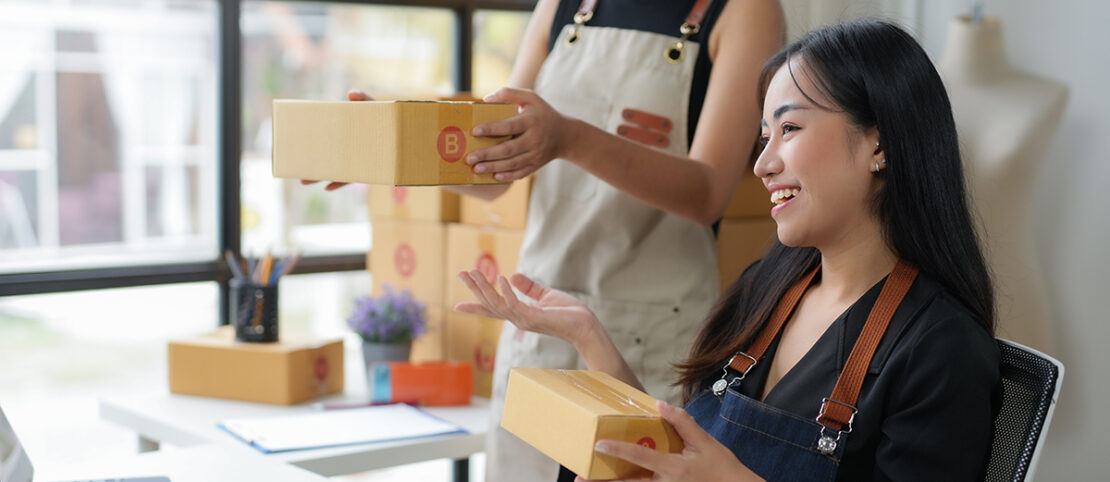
(599, 353)
(680, 185)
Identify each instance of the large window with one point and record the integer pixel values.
(107, 134)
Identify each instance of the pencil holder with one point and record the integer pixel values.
(254, 309)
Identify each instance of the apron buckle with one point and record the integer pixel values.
(826, 444)
(721, 385)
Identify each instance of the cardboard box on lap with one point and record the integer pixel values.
(409, 255)
(422, 203)
(286, 372)
(395, 143)
(563, 413)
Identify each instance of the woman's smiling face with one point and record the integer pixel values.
(817, 165)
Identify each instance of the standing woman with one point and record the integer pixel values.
(861, 347)
(640, 127)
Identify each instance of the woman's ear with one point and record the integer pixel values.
(878, 157)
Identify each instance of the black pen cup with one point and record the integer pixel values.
(254, 310)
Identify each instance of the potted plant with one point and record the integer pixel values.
(387, 324)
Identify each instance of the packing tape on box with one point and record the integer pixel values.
(606, 394)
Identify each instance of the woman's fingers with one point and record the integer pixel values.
(692, 434)
(355, 94)
(472, 285)
(475, 308)
(640, 455)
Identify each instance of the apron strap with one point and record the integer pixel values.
(693, 19)
(838, 410)
(782, 312)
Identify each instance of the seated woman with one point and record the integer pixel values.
(861, 347)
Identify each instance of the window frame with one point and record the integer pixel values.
(229, 152)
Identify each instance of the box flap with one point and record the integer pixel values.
(595, 391)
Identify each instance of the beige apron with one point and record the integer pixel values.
(650, 276)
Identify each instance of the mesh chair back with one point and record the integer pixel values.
(1030, 386)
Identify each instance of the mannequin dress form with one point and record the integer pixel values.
(1006, 120)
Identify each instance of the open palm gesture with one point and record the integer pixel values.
(550, 311)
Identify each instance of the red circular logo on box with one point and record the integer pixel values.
(451, 144)
(404, 259)
(487, 265)
(399, 194)
(321, 369)
(484, 355)
(647, 442)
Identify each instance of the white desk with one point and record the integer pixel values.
(204, 463)
(186, 421)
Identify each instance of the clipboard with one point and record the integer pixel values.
(334, 428)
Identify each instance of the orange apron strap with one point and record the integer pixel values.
(838, 411)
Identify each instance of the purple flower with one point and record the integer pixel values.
(390, 318)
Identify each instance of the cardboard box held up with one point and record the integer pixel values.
(563, 413)
(396, 143)
(427, 203)
(409, 255)
(286, 372)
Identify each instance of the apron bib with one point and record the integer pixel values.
(776, 444)
(651, 277)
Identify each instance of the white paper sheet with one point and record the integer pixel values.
(337, 427)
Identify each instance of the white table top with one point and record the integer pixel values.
(202, 463)
(187, 421)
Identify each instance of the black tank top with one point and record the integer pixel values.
(658, 16)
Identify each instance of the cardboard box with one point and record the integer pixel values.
(286, 372)
(408, 255)
(739, 243)
(751, 199)
(473, 339)
(563, 413)
(510, 210)
(494, 251)
(432, 345)
(421, 203)
(396, 143)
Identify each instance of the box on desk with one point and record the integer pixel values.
(493, 251)
(409, 255)
(285, 372)
(563, 413)
(424, 203)
(396, 143)
(510, 210)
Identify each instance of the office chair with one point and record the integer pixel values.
(1030, 387)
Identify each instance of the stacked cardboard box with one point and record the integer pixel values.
(747, 230)
(488, 239)
(409, 252)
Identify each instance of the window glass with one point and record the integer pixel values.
(497, 36)
(107, 133)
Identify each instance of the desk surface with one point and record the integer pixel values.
(187, 421)
(204, 463)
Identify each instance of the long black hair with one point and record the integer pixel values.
(876, 74)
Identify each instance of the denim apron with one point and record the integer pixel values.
(650, 276)
(776, 444)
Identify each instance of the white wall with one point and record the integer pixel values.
(1069, 41)
(1066, 40)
